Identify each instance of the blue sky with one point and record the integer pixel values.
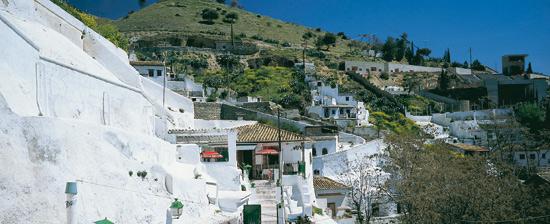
(490, 28)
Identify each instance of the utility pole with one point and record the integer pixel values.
(280, 182)
(304, 57)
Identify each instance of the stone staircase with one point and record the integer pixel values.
(265, 194)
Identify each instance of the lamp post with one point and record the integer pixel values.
(70, 203)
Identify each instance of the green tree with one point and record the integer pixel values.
(444, 80)
(476, 65)
(209, 15)
(389, 49)
(434, 184)
(447, 56)
(409, 53)
(231, 18)
(531, 115)
(402, 47)
(529, 68)
(466, 65)
(326, 40)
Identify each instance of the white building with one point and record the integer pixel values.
(366, 67)
(328, 103)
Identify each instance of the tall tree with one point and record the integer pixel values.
(466, 65)
(389, 49)
(433, 184)
(365, 181)
(402, 47)
(529, 69)
(447, 56)
(444, 80)
(231, 18)
(476, 65)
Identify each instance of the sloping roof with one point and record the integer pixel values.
(264, 133)
(325, 183)
(202, 139)
(146, 63)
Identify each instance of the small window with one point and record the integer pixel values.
(314, 151)
(347, 98)
(522, 156)
(360, 69)
(532, 156)
(373, 69)
(151, 72)
(159, 72)
(543, 156)
(333, 112)
(194, 99)
(319, 84)
(325, 151)
(316, 172)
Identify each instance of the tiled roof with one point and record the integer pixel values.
(265, 133)
(146, 63)
(325, 183)
(201, 139)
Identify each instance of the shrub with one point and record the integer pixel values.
(131, 173)
(384, 76)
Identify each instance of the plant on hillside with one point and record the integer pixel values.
(476, 65)
(209, 15)
(108, 31)
(531, 115)
(389, 49)
(231, 18)
(434, 184)
(326, 40)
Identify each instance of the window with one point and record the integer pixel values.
(333, 112)
(532, 156)
(399, 209)
(522, 156)
(151, 72)
(360, 69)
(325, 151)
(194, 99)
(159, 72)
(316, 172)
(543, 156)
(373, 69)
(396, 70)
(354, 68)
(314, 151)
(319, 84)
(347, 98)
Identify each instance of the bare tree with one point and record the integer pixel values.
(364, 179)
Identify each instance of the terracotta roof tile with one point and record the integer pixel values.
(265, 133)
(325, 183)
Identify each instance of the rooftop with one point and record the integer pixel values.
(325, 183)
(264, 133)
(146, 63)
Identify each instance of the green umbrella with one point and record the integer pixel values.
(176, 204)
(104, 221)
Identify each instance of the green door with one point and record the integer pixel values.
(252, 214)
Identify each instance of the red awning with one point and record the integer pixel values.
(267, 151)
(211, 155)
